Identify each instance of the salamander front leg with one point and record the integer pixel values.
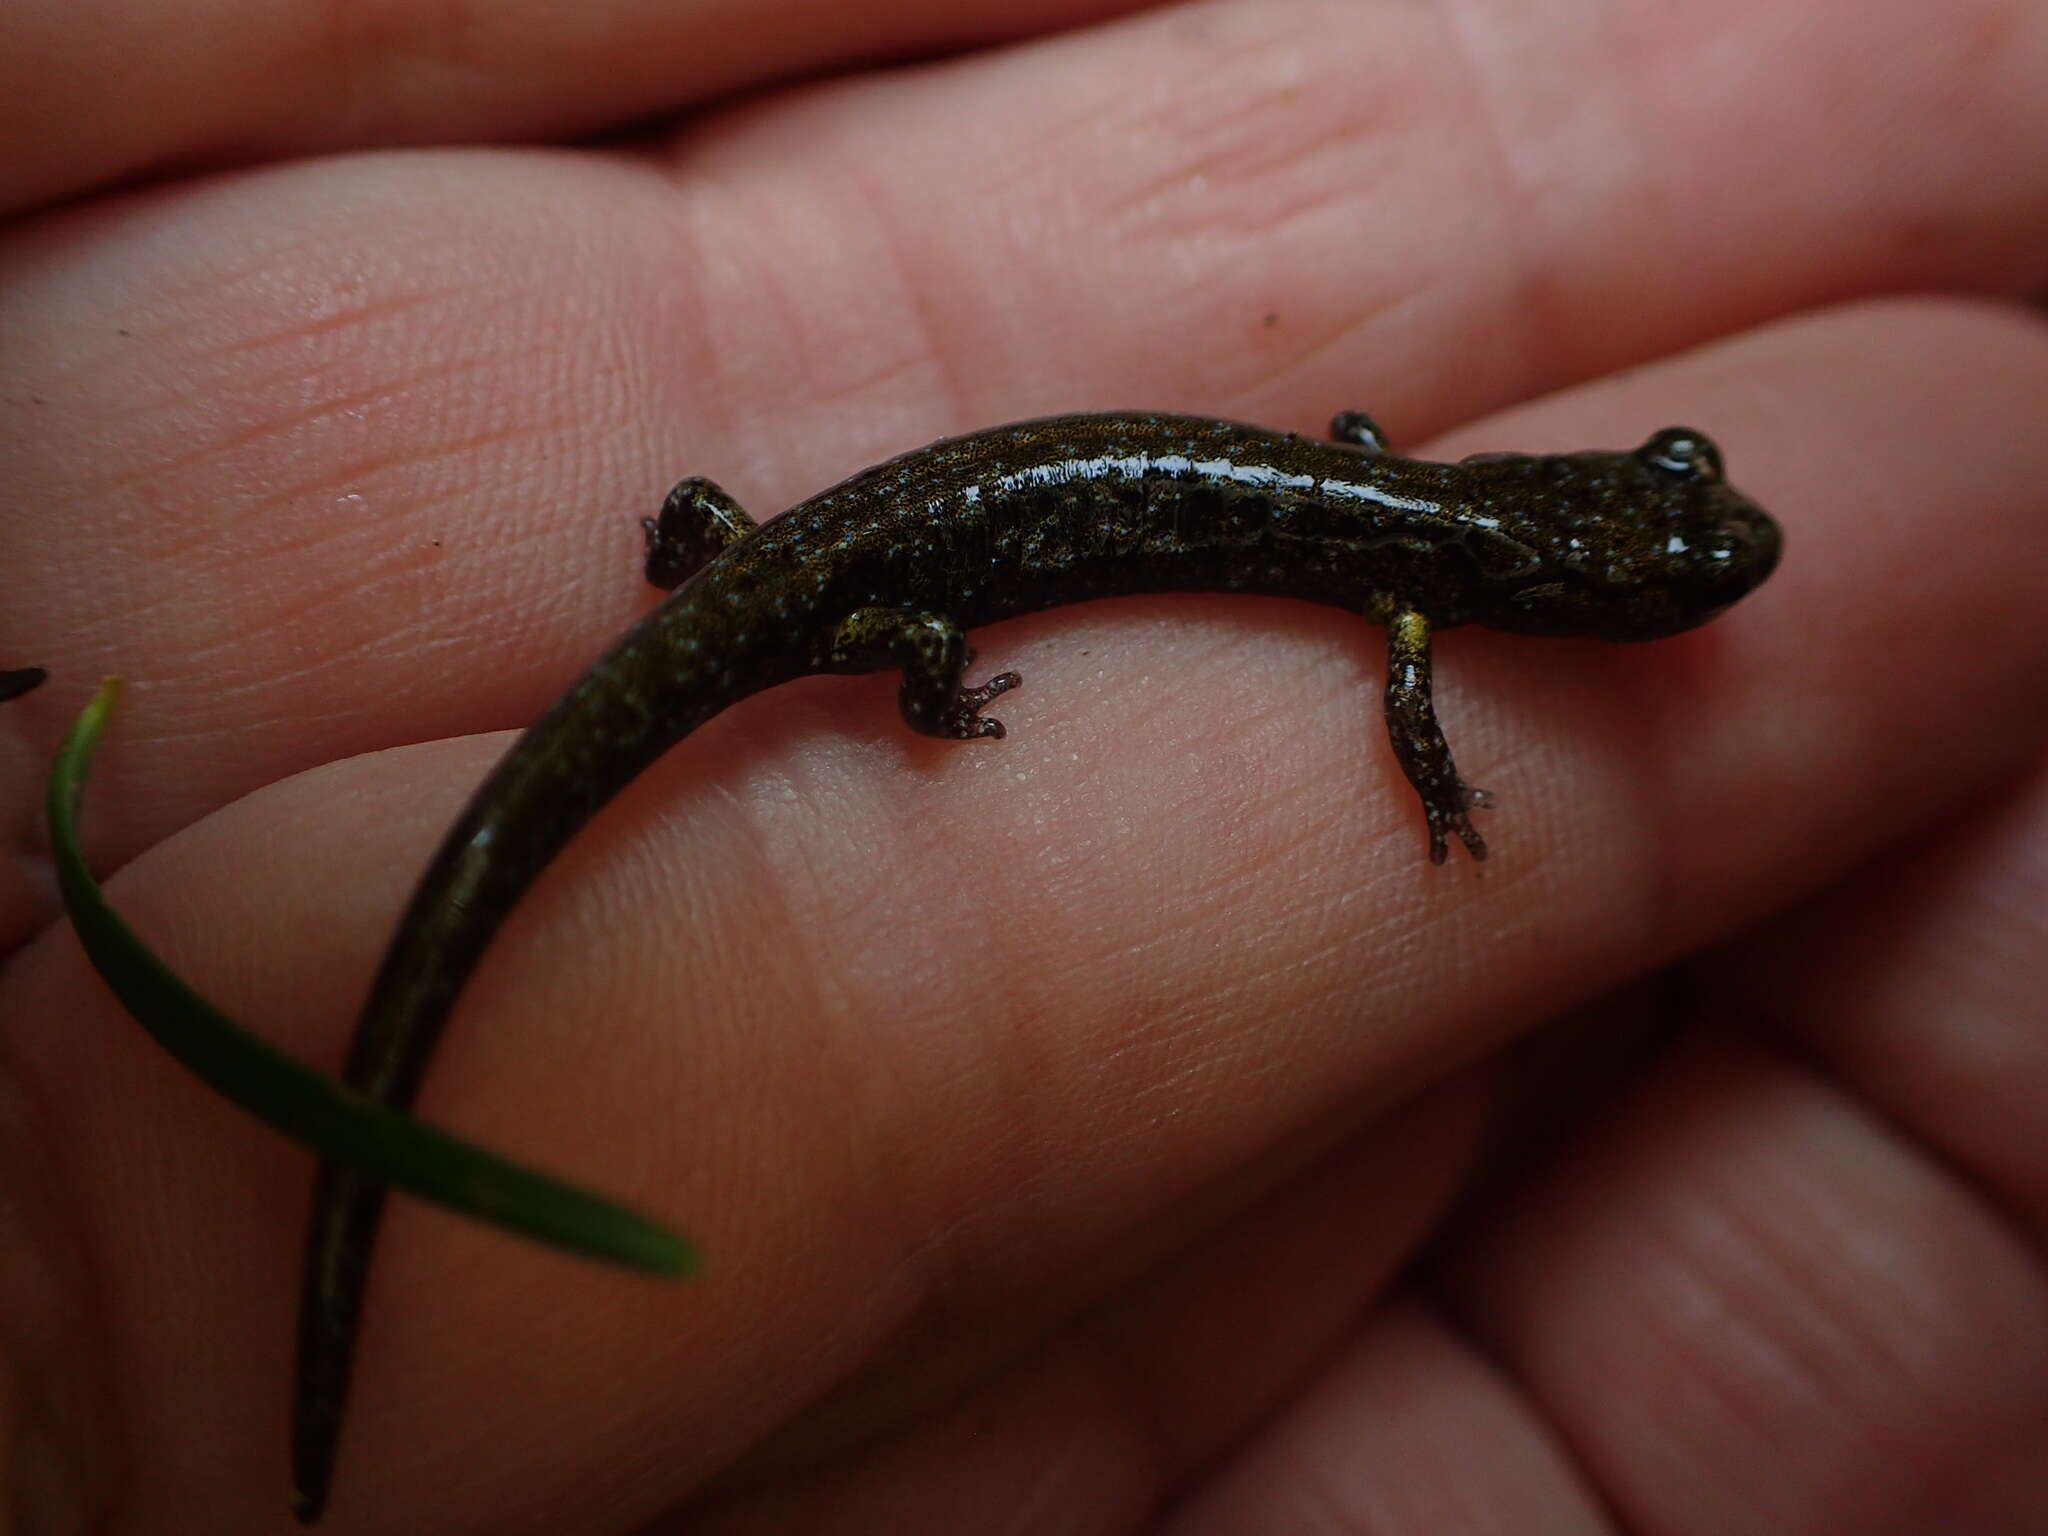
(1419, 741)
(1358, 429)
(933, 652)
(697, 522)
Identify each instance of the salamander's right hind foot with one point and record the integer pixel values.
(967, 723)
(933, 652)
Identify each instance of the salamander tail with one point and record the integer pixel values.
(346, 1212)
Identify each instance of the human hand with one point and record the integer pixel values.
(1060, 1117)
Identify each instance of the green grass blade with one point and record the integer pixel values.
(309, 1106)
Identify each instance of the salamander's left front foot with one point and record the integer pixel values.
(1359, 430)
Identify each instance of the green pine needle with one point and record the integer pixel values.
(309, 1106)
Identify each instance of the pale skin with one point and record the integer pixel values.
(1061, 1115)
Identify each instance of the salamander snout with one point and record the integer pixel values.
(1742, 551)
(1766, 543)
(1719, 544)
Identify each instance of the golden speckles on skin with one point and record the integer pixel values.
(889, 570)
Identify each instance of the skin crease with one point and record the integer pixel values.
(942, 1050)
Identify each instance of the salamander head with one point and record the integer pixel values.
(1630, 546)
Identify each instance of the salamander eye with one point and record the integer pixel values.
(1684, 452)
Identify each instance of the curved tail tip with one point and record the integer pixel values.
(309, 1502)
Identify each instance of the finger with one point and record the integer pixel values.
(891, 1028)
(1747, 1302)
(144, 90)
(1934, 1014)
(1412, 1427)
(1406, 1431)
(350, 454)
(1094, 1428)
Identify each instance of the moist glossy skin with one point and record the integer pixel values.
(887, 570)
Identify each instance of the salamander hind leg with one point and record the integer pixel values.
(1358, 429)
(1419, 743)
(933, 652)
(697, 522)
